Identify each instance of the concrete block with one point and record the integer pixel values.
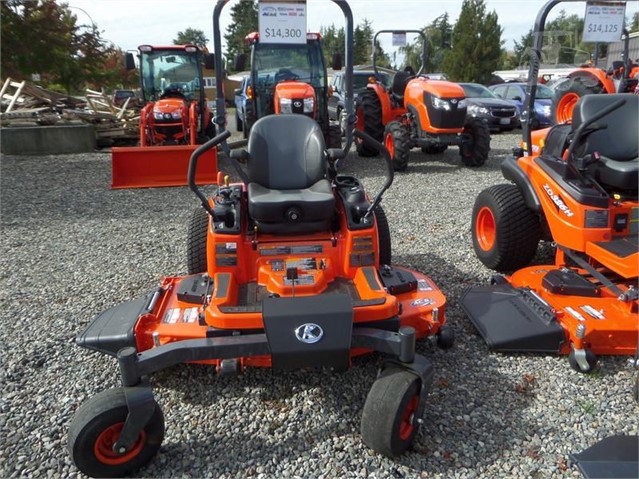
(48, 140)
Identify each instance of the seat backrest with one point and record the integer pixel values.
(619, 140)
(286, 152)
(400, 80)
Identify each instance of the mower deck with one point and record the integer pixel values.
(352, 315)
(540, 308)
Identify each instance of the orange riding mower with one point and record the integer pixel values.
(579, 191)
(289, 268)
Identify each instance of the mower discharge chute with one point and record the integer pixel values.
(174, 120)
(578, 188)
(289, 268)
(419, 112)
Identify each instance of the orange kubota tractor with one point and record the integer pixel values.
(621, 77)
(289, 78)
(174, 120)
(576, 185)
(419, 112)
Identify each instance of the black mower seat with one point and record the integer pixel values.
(288, 192)
(400, 80)
(617, 144)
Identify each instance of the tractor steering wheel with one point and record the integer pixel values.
(173, 91)
(284, 74)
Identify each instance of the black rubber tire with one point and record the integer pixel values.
(434, 149)
(400, 137)
(383, 236)
(383, 414)
(196, 242)
(475, 153)
(371, 109)
(591, 359)
(579, 86)
(239, 126)
(333, 137)
(96, 416)
(445, 337)
(516, 229)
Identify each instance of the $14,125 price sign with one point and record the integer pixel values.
(281, 22)
(604, 21)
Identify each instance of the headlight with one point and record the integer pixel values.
(309, 105)
(176, 115)
(477, 110)
(440, 104)
(461, 104)
(286, 105)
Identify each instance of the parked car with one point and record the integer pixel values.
(499, 114)
(516, 92)
(360, 80)
(243, 105)
(120, 96)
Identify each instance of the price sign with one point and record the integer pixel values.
(399, 39)
(282, 21)
(604, 21)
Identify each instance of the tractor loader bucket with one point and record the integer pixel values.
(158, 166)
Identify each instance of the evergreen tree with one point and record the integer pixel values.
(333, 42)
(438, 36)
(476, 49)
(191, 36)
(243, 21)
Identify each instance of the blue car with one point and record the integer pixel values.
(516, 92)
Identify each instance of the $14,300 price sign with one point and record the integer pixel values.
(282, 22)
(604, 21)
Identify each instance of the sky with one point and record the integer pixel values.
(129, 23)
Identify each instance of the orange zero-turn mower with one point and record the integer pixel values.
(578, 189)
(289, 268)
(174, 120)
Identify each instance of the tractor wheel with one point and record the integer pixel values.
(239, 126)
(383, 236)
(369, 120)
(389, 423)
(196, 242)
(434, 148)
(567, 95)
(505, 231)
(96, 427)
(591, 359)
(475, 151)
(396, 140)
(333, 137)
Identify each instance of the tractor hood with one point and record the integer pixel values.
(167, 106)
(294, 89)
(439, 88)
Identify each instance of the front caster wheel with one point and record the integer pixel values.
(585, 364)
(96, 427)
(389, 419)
(445, 337)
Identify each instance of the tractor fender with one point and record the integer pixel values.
(513, 172)
(592, 77)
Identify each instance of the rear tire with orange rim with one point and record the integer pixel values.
(567, 95)
(505, 231)
(96, 426)
(389, 419)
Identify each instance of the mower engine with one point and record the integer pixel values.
(295, 97)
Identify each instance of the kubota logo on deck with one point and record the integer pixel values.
(558, 201)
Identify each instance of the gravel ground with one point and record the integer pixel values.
(72, 247)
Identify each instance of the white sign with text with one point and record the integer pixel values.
(282, 22)
(604, 21)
